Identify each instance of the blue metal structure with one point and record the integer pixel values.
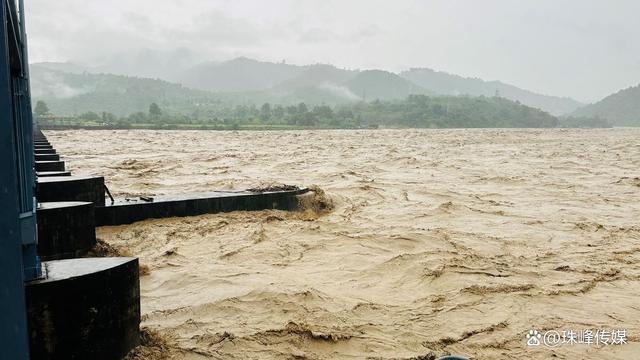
(18, 242)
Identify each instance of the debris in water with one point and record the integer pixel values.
(274, 188)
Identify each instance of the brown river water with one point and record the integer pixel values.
(439, 241)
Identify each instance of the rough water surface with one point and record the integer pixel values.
(439, 241)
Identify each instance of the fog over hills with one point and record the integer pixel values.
(378, 84)
(70, 94)
(241, 74)
(71, 89)
(317, 75)
(246, 80)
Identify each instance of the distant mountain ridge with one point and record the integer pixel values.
(253, 81)
(70, 94)
(383, 85)
(448, 84)
(621, 108)
(241, 74)
(237, 75)
(316, 75)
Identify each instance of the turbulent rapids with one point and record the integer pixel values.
(412, 243)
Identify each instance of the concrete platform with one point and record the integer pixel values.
(132, 210)
(53, 173)
(50, 165)
(71, 188)
(44, 151)
(47, 157)
(66, 230)
(84, 309)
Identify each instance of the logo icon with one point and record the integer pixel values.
(552, 338)
(533, 338)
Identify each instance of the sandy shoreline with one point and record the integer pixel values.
(441, 241)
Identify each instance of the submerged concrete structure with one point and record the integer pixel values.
(66, 230)
(47, 157)
(60, 309)
(49, 165)
(52, 173)
(45, 151)
(81, 308)
(84, 309)
(68, 307)
(102, 321)
(128, 211)
(71, 188)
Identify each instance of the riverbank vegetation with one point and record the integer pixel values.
(415, 111)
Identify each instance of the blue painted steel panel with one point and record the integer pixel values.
(18, 258)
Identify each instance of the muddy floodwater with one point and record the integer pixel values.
(439, 242)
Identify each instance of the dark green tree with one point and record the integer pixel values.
(154, 110)
(41, 109)
(265, 112)
(302, 108)
(278, 112)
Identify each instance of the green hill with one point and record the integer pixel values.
(68, 94)
(448, 84)
(248, 81)
(315, 84)
(317, 75)
(621, 108)
(238, 75)
(454, 112)
(382, 85)
(397, 102)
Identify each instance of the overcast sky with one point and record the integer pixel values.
(585, 49)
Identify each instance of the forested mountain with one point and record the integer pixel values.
(129, 99)
(69, 90)
(279, 80)
(383, 85)
(245, 80)
(448, 84)
(238, 75)
(621, 108)
(69, 94)
(420, 111)
(316, 75)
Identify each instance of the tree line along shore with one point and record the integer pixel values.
(415, 111)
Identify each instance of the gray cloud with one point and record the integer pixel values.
(581, 48)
